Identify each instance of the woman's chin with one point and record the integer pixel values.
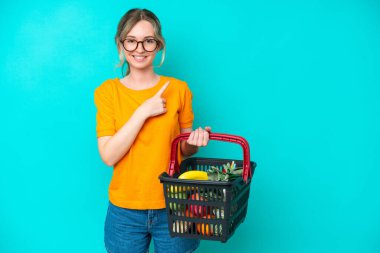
(141, 67)
(146, 63)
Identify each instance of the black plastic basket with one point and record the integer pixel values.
(203, 209)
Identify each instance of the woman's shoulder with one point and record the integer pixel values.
(107, 86)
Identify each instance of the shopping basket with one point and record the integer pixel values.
(220, 206)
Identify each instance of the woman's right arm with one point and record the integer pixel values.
(113, 148)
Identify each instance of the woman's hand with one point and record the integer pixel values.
(155, 105)
(199, 137)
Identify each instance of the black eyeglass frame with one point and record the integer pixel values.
(142, 43)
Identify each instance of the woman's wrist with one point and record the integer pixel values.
(140, 113)
(188, 149)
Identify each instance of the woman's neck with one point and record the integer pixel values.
(142, 77)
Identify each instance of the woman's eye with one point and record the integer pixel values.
(130, 41)
(150, 41)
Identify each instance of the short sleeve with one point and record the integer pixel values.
(186, 115)
(105, 117)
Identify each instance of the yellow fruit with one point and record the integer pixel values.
(176, 189)
(194, 175)
(173, 190)
(205, 228)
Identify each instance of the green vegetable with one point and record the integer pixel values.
(176, 206)
(227, 172)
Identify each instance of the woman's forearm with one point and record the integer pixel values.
(188, 149)
(119, 144)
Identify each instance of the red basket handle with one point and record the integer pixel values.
(173, 164)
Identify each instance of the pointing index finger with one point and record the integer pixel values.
(162, 90)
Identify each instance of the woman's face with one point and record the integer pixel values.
(140, 58)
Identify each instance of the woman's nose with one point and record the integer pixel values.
(140, 48)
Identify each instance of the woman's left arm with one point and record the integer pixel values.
(197, 138)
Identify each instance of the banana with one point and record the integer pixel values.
(194, 174)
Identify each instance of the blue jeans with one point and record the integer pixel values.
(128, 230)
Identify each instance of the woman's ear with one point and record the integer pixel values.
(159, 48)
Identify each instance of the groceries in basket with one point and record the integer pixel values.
(226, 172)
(207, 198)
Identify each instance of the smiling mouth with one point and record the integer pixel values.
(139, 58)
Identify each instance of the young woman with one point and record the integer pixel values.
(138, 116)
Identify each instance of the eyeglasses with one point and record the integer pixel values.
(149, 44)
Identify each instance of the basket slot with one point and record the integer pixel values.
(219, 212)
(193, 228)
(210, 195)
(221, 195)
(180, 226)
(217, 230)
(208, 211)
(207, 227)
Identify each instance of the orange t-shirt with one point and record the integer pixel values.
(135, 183)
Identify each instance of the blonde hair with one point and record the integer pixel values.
(127, 22)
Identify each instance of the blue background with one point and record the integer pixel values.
(299, 80)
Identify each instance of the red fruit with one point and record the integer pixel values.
(197, 210)
(188, 214)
